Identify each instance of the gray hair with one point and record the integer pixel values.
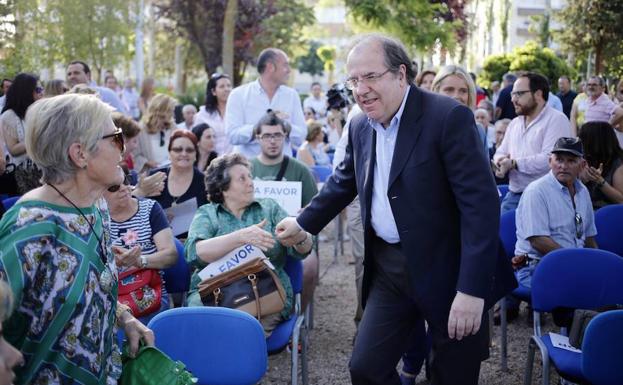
(189, 107)
(394, 52)
(509, 77)
(54, 124)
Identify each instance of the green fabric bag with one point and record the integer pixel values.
(153, 367)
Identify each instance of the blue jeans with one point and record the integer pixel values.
(510, 202)
(524, 278)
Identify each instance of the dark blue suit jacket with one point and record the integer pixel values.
(443, 198)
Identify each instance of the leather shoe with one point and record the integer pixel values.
(511, 315)
(406, 378)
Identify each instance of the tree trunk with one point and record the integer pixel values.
(151, 39)
(598, 58)
(179, 69)
(229, 30)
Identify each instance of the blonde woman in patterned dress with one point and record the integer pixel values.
(55, 250)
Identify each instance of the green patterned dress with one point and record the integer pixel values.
(64, 320)
(213, 220)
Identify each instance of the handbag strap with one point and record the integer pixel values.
(282, 169)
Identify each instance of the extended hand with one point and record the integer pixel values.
(504, 165)
(136, 331)
(465, 315)
(257, 236)
(151, 185)
(289, 233)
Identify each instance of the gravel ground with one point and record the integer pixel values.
(330, 340)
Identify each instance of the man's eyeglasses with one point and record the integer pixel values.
(126, 182)
(270, 137)
(117, 138)
(353, 83)
(188, 150)
(518, 94)
(578, 226)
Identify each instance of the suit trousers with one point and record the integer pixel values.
(391, 318)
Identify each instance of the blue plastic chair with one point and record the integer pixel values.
(217, 345)
(608, 221)
(503, 190)
(602, 349)
(9, 202)
(294, 328)
(575, 279)
(322, 173)
(177, 277)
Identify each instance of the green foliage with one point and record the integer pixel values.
(195, 94)
(529, 57)
(310, 62)
(592, 26)
(418, 23)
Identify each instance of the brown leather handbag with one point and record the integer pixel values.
(252, 287)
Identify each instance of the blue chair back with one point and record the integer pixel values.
(294, 269)
(602, 349)
(508, 232)
(608, 221)
(503, 189)
(322, 173)
(177, 277)
(217, 345)
(577, 279)
(9, 202)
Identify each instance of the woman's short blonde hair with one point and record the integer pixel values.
(461, 73)
(160, 105)
(54, 124)
(313, 129)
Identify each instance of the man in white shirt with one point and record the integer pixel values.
(529, 138)
(317, 101)
(188, 112)
(248, 103)
(129, 96)
(78, 72)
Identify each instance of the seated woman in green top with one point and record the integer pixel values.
(234, 218)
(55, 249)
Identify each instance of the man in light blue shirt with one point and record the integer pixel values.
(555, 211)
(248, 103)
(78, 72)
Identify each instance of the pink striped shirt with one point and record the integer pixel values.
(600, 109)
(531, 145)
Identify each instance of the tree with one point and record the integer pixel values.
(310, 62)
(530, 57)
(259, 24)
(592, 26)
(418, 23)
(327, 54)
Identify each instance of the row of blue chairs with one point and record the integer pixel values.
(610, 239)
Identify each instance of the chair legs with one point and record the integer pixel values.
(503, 336)
(532, 345)
(299, 334)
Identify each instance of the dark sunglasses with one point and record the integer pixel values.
(115, 188)
(216, 75)
(39, 90)
(161, 138)
(188, 150)
(117, 138)
(578, 226)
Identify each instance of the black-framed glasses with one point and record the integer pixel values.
(277, 137)
(188, 150)
(353, 83)
(518, 94)
(126, 182)
(579, 231)
(117, 138)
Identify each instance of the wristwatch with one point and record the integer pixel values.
(143, 261)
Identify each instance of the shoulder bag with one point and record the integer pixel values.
(252, 287)
(141, 290)
(152, 367)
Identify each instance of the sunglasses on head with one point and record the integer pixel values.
(115, 188)
(39, 90)
(117, 138)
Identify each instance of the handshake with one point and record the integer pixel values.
(287, 232)
(503, 165)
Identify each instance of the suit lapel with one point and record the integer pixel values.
(408, 132)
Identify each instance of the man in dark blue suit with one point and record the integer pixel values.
(430, 211)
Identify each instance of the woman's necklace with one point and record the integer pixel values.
(106, 277)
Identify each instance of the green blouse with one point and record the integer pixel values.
(213, 220)
(64, 319)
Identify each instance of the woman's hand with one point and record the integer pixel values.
(135, 331)
(594, 174)
(151, 185)
(257, 236)
(127, 257)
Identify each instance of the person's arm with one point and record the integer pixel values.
(13, 145)
(298, 126)
(614, 191)
(617, 118)
(209, 250)
(305, 156)
(237, 131)
(573, 116)
(590, 243)
(538, 164)
(543, 244)
(166, 253)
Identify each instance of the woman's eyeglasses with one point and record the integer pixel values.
(126, 182)
(117, 138)
(188, 150)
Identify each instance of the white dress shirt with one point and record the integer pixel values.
(248, 103)
(214, 120)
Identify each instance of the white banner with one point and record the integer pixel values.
(289, 195)
(231, 260)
